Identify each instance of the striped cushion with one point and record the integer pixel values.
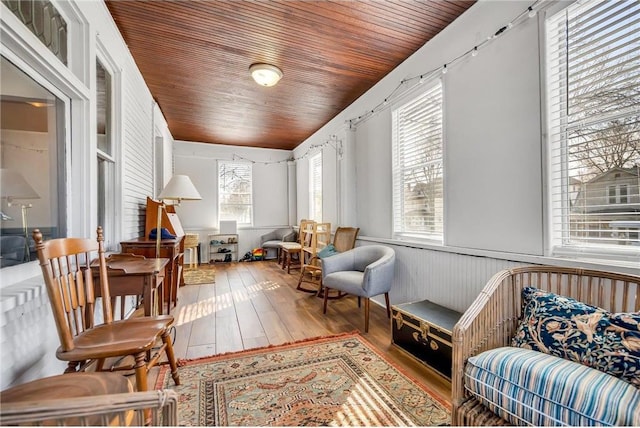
(531, 388)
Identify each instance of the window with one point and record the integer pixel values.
(105, 156)
(32, 183)
(235, 192)
(417, 166)
(593, 78)
(315, 187)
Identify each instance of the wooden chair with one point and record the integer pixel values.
(291, 252)
(67, 271)
(344, 239)
(86, 399)
(191, 241)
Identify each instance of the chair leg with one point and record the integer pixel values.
(72, 367)
(386, 299)
(366, 315)
(166, 339)
(359, 302)
(141, 371)
(326, 299)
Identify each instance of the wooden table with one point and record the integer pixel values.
(136, 276)
(173, 249)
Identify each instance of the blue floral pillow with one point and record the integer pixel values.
(573, 330)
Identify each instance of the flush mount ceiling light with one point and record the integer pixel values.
(265, 74)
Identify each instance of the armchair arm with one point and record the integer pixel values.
(271, 236)
(378, 276)
(339, 262)
(488, 323)
(290, 237)
(110, 409)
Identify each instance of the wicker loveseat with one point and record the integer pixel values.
(493, 319)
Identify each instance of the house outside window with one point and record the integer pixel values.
(235, 192)
(593, 52)
(315, 187)
(418, 202)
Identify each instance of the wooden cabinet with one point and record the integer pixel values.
(169, 248)
(221, 245)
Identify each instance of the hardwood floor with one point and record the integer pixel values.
(256, 304)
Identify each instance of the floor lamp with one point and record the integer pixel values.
(13, 186)
(179, 188)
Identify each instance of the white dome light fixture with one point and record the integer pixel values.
(265, 74)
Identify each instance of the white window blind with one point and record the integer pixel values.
(417, 166)
(593, 83)
(315, 187)
(235, 195)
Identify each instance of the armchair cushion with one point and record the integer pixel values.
(532, 388)
(567, 328)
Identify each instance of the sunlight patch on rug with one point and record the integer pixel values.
(337, 381)
(203, 274)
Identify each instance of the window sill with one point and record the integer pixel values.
(582, 260)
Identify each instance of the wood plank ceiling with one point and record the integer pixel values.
(195, 58)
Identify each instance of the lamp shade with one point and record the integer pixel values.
(14, 186)
(180, 188)
(265, 74)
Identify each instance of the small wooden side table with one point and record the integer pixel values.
(173, 249)
(131, 275)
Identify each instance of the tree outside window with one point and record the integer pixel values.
(235, 192)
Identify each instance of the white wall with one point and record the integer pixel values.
(271, 196)
(27, 331)
(493, 159)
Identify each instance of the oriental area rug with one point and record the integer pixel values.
(333, 381)
(203, 274)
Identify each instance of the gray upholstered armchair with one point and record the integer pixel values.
(272, 240)
(364, 271)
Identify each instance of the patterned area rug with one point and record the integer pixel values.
(335, 381)
(203, 274)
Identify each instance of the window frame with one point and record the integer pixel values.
(249, 166)
(427, 90)
(315, 187)
(555, 241)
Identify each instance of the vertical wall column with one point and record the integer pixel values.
(346, 178)
(292, 189)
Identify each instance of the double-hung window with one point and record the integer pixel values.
(235, 194)
(417, 166)
(315, 187)
(105, 156)
(593, 84)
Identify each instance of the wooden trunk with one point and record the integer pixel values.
(423, 330)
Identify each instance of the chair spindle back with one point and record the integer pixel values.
(68, 276)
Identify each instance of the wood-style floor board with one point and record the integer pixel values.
(256, 304)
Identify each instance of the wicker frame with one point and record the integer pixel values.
(127, 409)
(492, 319)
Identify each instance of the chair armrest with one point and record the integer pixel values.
(271, 236)
(290, 237)
(378, 276)
(488, 323)
(339, 262)
(110, 409)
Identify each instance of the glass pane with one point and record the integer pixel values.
(103, 95)
(32, 187)
(235, 192)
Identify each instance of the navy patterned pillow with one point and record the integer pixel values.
(573, 330)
